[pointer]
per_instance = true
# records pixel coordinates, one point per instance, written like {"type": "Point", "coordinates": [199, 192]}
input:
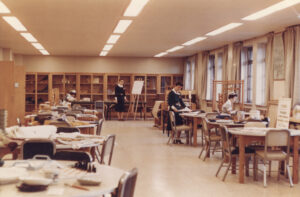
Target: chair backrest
{"type": "Point", "coordinates": [33, 147]}
{"type": "Point", "coordinates": [73, 156]}
{"type": "Point", "coordinates": [67, 130]}
{"type": "Point", "coordinates": [211, 115]}
{"type": "Point", "coordinates": [127, 184]}
{"type": "Point", "coordinates": [172, 120]}
{"type": "Point", "coordinates": [226, 146]}
{"type": "Point", "coordinates": [205, 127]}
{"type": "Point", "coordinates": [255, 124]}
{"type": "Point", "coordinates": [277, 138]}
{"type": "Point", "coordinates": [19, 122]}
{"type": "Point", "coordinates": [155, 108]}
{"type": "Point", "coordinates": [107, 149]}
{"type": "Point", "coordinates": [99, 105]}
{"type": "Point", "coordinates": [99, 127]}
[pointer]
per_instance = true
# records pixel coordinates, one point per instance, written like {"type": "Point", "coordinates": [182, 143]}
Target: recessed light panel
{"type": "Point", "coordinates": [15, 23]}
{"type": "Point", "coordinates": [135, 7]}
{"type": "Point", "coordinates": [224, 28]}
{"type": "Point", "coordinates": [122, 26]}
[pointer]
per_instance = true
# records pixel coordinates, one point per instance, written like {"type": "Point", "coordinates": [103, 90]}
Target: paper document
{"type": "Point", "coordinates": [186, 109]}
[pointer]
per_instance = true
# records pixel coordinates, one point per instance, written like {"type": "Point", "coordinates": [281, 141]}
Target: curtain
{"type": "Point", "coordinates": [296, 92]}
{"type": "Point", "coordinates": [236, 61]}
{"type": "Point", "coordinates": [260, 94]}
{"type": "Point", "coordinates": [203, 77]}
{"type": "Point", "coordinates": [225, 64]}
{"type": "Point", "coordinates": [289, 60]}
{"type": "Point", "coordinates": [269, 67]}
{"type": "Point", "coordinates": [186, 75]}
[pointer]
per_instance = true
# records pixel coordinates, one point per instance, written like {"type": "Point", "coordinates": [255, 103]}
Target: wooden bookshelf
{"type": "Point", "coordinates": [96, 86]}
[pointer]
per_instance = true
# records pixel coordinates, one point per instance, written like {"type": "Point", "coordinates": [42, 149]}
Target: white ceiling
{"type": "Point", "coordinates": [82, 27]}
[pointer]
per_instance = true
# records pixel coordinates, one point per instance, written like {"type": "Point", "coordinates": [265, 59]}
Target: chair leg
{"type": "Point", "coordinates": [289, 174]}
{"type": "Point", "coordinates": [221, 165]}
{"type": "Point", "coordinates": [270, 168]}
{"type": "Point", "coordinates": [215, 147]}
{"type": "Point", "coordinates": [254, 169]}
{"type": "Point", "coordinates": [279, 170]}
{"type": "Point", "coordinates": [171, 137]}
{"type": "Point", "coordinates": [247, 166]}
{"type": "Point", "coordinates": [226, 172]}
{"type": "Point", "coordinates": [265, 175]}
{"type": "Point", "coordinates": [207, 151]}
{"type": "Point", "coordinates": [203, 147]}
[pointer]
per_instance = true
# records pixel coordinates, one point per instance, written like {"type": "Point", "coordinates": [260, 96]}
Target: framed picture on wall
{"type": "Point", "coordinates": [278, 57]}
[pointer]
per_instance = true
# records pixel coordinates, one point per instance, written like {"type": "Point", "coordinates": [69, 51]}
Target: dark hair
{"type": "Point", "coordinates": [232, 95]}
{"type": "Point", "coordinates": [179, 84]}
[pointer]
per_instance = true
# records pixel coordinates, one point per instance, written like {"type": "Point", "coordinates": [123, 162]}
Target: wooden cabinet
{"type": "Point", "coordinates": [95, 86]}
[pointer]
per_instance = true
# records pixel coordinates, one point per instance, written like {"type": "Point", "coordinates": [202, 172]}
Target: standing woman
{"type": "Point", "coordinates": [121, 98]}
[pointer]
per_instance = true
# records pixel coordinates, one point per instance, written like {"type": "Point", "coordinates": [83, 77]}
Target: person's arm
{"type": "Point", "coordinates": [181, 102]}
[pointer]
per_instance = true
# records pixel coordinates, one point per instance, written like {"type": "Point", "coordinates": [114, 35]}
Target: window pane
{"type": "Point", "coordinates": [261, 75]}
{"type": "Point", "coordinates": [246, 73]}
{"type": "Point", "coordinates": [210, 76]}
{"type": "Point", "coordinates": [219, 74]}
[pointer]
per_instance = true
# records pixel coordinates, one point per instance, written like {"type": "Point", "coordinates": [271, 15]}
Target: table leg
{"type": "Point", "coordinates": [195, 125]}
{"type": "Point", "coordinates": [295, 159]}
{"type": "Point", "coordinates": [241, 158]}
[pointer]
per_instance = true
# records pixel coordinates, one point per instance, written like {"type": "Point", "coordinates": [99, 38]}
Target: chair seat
{"type": "Point", "coordinates": [183, 128]}
{"type": "Point", "coordinates": [272, 155]}
{"type": "Point", "coordinates": [215, 138]}
{"type": "Point", "coordinates": [236, 151]}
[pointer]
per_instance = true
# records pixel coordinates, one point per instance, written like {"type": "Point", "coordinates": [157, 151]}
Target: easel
{"type": "Point", "coordinates": [136, 92]}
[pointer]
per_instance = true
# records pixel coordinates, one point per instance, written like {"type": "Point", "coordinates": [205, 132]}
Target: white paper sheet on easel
{"type": "Point", "coordinates": [137, 87]}
{"type": "Point", "coordinates": [283, 114]}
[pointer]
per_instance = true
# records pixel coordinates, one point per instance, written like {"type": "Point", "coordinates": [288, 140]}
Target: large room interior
{"type": "Point", "coordinates": [149, 98]}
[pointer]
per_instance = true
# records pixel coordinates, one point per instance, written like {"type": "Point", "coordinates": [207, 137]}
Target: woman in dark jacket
{"type": "Point", "coordinates": [121, 97]}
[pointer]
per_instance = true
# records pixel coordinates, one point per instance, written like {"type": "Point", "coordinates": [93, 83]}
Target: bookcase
{"type": "Point", "coordinates": [94, 86]}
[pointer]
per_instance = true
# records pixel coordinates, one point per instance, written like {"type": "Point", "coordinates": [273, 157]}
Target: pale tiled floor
{"type": "Point", "coordinates": [176, 171]}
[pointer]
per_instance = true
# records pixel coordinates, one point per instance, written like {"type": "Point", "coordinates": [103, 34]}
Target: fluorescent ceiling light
{"type": "Point", "coordinates": [224, 28]}
{"type": "Point", "coordinates": [269, 10]}
{"type": "Point", "coordinates": [38, 46]}
{"type": "Point", "coordinates": [113, 39]}
{"type": "Point", "coordinates": [107, 47]}
{"type": "Point", "coordinates": [135, 7]}
{"type": "Point", "coordinates": [175, 48]}
{"type": "Point", "coordinates": [29, 37]}
{"type": "Point", "coordinates": [44, 52]}
{"type": "Point", "coordinates": [15, 23]}
{"type": "Point", "coordinates": [195, 40]}
{"type": "Point", "coordinates": [122, 26]}
{"type": "Point", "coordinates": [103, 53]}
{"type": "Point", "coordinates": [3, 8]}
{"type": "Point", "coordinates": [161, 54]}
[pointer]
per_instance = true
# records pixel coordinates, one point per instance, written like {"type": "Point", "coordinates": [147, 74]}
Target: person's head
{"type": "Point", "coordinates": [121, 82]}
{"type": "Point", "coordinates": [178, 86]}
{"type": "Point", "coordinates": [233, 97]}
{"type": "Point", "coordinates": [73, 92]}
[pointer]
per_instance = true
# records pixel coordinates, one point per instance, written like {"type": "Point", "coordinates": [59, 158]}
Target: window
{"type": "Point", "coordinates": [189, 74]}
{"type": "Point", "coordinates": [210, 76]}
{"type": "Point", "coordinates": [261, 75]}
{"type": "Point", "coordinates": [246, 72]}
{"type": "Point", "coordinates": [219, 75]}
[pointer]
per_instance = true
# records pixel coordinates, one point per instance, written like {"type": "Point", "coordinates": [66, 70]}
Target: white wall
{"type": "Point", "coordinates": [103, 64]}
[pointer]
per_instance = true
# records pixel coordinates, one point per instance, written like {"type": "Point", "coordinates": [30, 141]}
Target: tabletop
{"type": "Point", "coordinates": [109, 180]}
{"type": "Point", "coordinates": [255, 131]}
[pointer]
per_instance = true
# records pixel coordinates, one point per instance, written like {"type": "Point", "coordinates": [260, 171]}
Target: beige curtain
{"type": "Point", "coordinates": [296, 92]}
{"type": "Point", "coordinates": [289, 60]}
{"type": "Point", "coordinates": [236, 61]}
{"type": "Point", "coordinates": [225, 64]}
{"type": "Point", "coordinates": [203, 77]}
{"type": "Point", "coordinates": [269, 67]}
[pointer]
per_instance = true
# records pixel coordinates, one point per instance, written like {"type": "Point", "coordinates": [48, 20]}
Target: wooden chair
{"type": "Point", "coordinates": [230, 153]}
{"type": "Point", "coordinates": [100, 108]}
{"type": "Point", "coordinates": [277, 147]}
{"type": "Point", "coordinates": [105, 156]}
{"type": "Point", "coordinates": [176, 130]}
{"type": "Point", "coordinates": [126, 184]}
{"type": "Point", "coordinates": [210, 137]}
{"type": "Point", "coordinates": [99, 127]}
{"type": "Point", "coordinates": [32, 147]}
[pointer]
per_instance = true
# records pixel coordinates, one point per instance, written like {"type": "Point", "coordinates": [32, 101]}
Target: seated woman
{"type": "Point", "coordinates": [228, 106]}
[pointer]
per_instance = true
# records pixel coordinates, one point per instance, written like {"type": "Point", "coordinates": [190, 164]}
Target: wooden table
{"type": "Point", "coordinates": [87, 129]}
{"type": "Point", "coordinates": [196, 119]}
{"type": "Point", "coordinates": [109, 176]}
{"type": "Point", "coordinates": [248, 135]}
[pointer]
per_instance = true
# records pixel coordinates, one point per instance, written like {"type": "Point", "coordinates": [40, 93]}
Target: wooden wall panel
{"type": "Point", "coordinates": [19, 93]}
